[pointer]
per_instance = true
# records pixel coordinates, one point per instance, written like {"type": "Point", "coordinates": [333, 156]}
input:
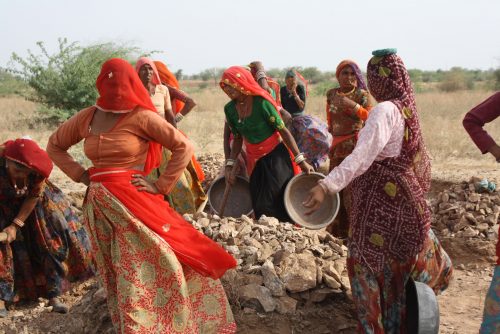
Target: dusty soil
{"type": "Point", "coordinates": [460, 305]}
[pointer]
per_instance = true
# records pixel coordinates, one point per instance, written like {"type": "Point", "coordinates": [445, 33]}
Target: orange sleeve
{"type": "Point", "coordinates": [363, 113]}
{"type": "Point", "coordinates": [68, 134]}
{"type": "Point", "coordinates": [159, 130]}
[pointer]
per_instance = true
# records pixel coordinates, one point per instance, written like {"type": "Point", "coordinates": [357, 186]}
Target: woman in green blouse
{"type": "Point", "coordinates": [253, 118]}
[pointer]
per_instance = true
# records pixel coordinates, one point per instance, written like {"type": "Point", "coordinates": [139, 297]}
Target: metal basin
{"type": "Point", "coordinates": [239, 201]}
{"type": "Point", "coordinates": [297, 191]}
{"type": "Point", "coordinates": [422, 309]}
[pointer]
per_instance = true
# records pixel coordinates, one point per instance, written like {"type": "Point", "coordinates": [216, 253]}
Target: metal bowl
{"type": "Point", "coordinates": [297, 191]}
{"type": "Point", "coordinates": [239, 201]}
{"type": "Point", "coordinates": [422, 309]}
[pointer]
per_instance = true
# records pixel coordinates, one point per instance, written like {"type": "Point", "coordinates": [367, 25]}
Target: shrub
{"type": "Point", "coordinates": [11, 85]}
{"type": "Point", "coordinates": [64, 82]}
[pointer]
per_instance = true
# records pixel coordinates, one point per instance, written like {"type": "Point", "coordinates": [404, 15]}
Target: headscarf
{"type": "Point", "coordinates": [168, 78]}
{"type": "Point", "coordinates": [355, 68]}
{"type": "Point", "coordinates": [27, 153]}
{"type": "Point", "coordinates": [143, 61]}
{"type": "Point", "coordinates": [389, 80]}
{"type": "Point", "coordinates": [120, 89]}
{"type": "Point", "coordinates": [242, 80]}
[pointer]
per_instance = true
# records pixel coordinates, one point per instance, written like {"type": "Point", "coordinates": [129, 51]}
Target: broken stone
{"type": "Point", "coordinates": [271, 279]}
{"type": "Point", "coordinates": [257, 297]}
{"type": "Point", "coordinates": [298, 272]}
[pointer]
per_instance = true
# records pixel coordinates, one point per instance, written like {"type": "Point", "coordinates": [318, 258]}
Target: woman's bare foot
{"type": "Point", "coordinates": [58, 306]}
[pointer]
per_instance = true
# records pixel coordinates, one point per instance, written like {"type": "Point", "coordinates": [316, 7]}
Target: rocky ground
{"type": "Point", "coordinates": [270, 295]}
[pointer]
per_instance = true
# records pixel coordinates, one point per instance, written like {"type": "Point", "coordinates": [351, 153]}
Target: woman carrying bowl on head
{"type": "Point", "coordinates": [253, 117]}
{"type": "Point", "coordinates": [347, 109]}
{"type": "Point", "coordinates": [161, 275]}
{"type": "Point", "coordinates": [46, 245]}
{"type": "Point", "coordinates": [388, 174]}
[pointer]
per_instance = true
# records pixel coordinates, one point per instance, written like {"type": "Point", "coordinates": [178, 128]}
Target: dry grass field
{"type": "Point", "coordinates": [441, 117]}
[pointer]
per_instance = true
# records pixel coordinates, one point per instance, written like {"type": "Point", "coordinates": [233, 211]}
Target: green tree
{"type": "Point", "coordinates": [64, 82]}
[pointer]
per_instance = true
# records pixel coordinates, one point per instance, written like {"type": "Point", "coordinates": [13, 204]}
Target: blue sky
{"type": "Point", "coordinates": [195, 34]}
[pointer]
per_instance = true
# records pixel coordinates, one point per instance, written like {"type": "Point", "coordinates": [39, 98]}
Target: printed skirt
{"type": "Point", "coordinates": [51, 250]}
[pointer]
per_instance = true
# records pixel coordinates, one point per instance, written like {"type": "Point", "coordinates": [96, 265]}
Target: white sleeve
{"type": "Point", "coordinates": [372, 139]}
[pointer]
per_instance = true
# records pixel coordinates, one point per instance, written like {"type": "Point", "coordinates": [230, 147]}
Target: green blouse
{"type": "Point", "coordinates": [260, 125]}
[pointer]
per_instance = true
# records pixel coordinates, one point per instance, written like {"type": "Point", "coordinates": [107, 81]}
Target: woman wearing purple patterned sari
{"type": "Point", "coordinates": [388, 174]}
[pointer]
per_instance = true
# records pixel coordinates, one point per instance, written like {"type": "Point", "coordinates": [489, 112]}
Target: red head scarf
{"type": "Point", "coordinates": [242, 80]}
{"type": "Point", "coordinates": [168, 78]}
{"type": "Point", "coordinates": [143, 61]}
{"type": "Point", "coordinates": [355, 68]}
{"type": "Point", "coordinates": [27, 153]}
{"type": "Point", "coordinates": [120, 89]}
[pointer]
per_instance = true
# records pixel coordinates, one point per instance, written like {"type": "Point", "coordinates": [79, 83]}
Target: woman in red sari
{"type": "Point", "coordinates": [253, 116]}
{"type": "Point", "coordinates": [161, 275]}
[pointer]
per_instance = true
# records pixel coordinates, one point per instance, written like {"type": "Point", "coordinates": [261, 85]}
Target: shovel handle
{"type": "Point", "coordinates": [227, 190]}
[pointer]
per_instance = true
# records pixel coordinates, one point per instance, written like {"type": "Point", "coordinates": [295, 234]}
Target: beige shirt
{"type": "Point", "coordinates": [161, 99]}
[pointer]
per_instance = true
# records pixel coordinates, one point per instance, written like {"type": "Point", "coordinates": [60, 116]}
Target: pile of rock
{"type": "Point", "coordinates": [211, 165]}
{"type": "Point", "coordinates": [280, 266]}
{"type": "Point", "coordinates": [461, 211]}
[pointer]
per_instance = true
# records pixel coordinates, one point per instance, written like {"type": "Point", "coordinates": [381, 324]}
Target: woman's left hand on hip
{"type": "Point", "coordinates": [142, 184]}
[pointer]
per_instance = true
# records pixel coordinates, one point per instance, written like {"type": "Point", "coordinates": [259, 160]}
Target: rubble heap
{"type": "Point", "coordinates": [280, 265]}
{"type": "Point", "coordinates": [462, 211]}
{"type": "Point", "coordinates": [212, 165]}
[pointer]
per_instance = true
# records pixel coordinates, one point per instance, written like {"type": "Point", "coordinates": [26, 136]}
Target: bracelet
{"type": "Point", "coordinates": [179, 117]}
{"type": "Point", "coordinates": [299, 158]}
{"type": "Point", "coordinates": [229, 162]}
{"type": "Point", "coordinates": [18, 222]}
{"type": "Point", "coordinates": [357, 107]}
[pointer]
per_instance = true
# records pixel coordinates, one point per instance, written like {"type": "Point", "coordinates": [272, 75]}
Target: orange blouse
{"type": "Point", "coordinates": [124, 146]}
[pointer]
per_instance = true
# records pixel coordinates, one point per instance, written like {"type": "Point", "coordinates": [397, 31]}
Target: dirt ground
{"type": "Point", "coordinates": [460, 305]}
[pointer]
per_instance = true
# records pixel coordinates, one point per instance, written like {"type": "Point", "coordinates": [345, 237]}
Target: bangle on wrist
{"type": "Point", "coordinates": [299, 158]}
{"type": "Point", "coordinates": [357, 107]}
{"type": "Point", "coordinates": [179, 117]}
{"type": "Point", "coordinates": [229, 162]}
{"type": "Point", "coordinates": [18, 222]}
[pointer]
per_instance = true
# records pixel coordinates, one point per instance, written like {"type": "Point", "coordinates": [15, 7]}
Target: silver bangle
{"type": "Point", "coordinates": [299, 158]}
{"type": "Point", "coordinates": [229, 163]}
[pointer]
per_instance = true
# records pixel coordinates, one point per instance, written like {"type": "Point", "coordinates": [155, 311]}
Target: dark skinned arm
{"type": "Point", "coordinates": [23, 214]}
{"type": "Point", "coordinates": [292, 146]}
{"type": "Point", "coordinates": [189, 104]}
{"type": "Point", "coordinates": [227, 146]}
{"type": "Point", "coordinates": [229, 173]}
